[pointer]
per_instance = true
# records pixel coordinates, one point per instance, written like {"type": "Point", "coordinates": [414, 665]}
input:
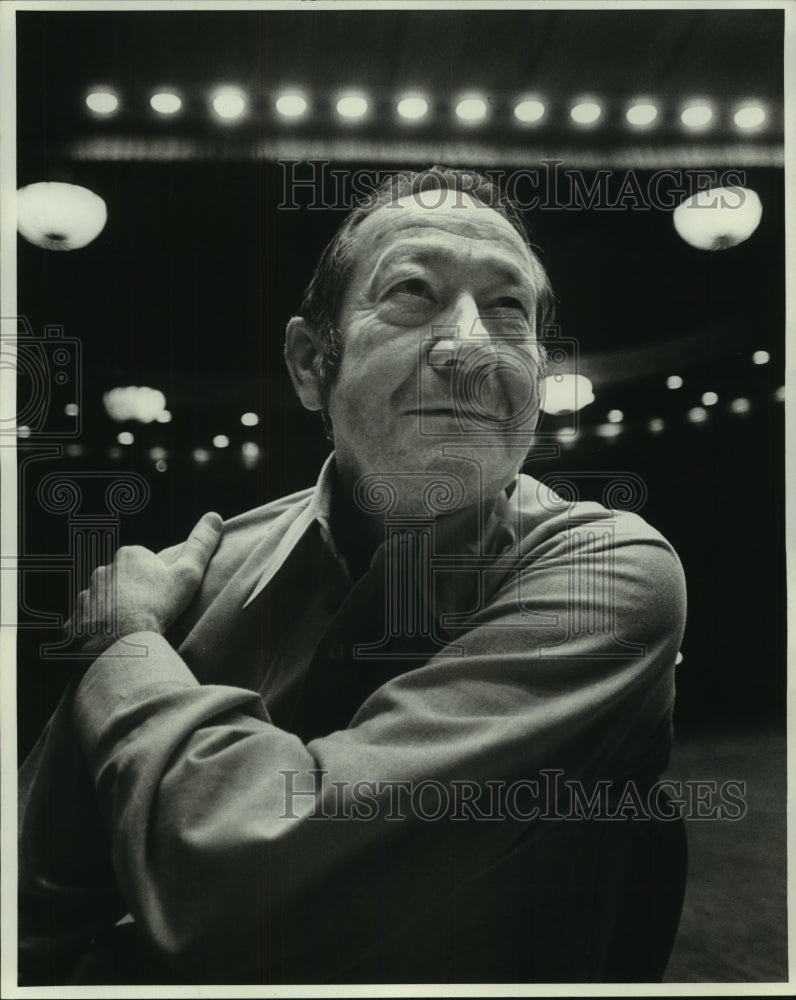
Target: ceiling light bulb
{"type": "Point", "coordinates": [412, 108]}
{"type": "Point", "coordinates": [165, 103]}
{"type": "Point", "coordinates": [529, 111]}
{"type": "Point", "coordinates": [641, 114]}
{"type": "Point", "coordinates": [585, 113]}
{"type": "Point", "coordinates": [471, 109]}
{"type": "Point", "coordinates": [102, 102]}
{"type": "Point", "coordinates": [291, 105]}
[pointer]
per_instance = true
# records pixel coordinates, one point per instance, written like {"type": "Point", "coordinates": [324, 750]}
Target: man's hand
{"type": "Point", "coordinates": [140, 592]}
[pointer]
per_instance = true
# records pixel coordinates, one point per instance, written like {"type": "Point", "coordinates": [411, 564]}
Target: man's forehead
{"type": "Point", "coordinates": [437, 213]}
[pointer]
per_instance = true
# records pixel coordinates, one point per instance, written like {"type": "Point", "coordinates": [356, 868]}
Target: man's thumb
{"type": "Point", "coordinates": [200, 545]}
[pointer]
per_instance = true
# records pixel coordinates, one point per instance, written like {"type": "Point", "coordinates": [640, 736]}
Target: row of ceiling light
{"type": "Point", "coordinates": [231, 104]}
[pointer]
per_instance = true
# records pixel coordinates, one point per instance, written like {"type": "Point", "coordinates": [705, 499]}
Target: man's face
{"type": "Point", "coordinates": [439, 362]}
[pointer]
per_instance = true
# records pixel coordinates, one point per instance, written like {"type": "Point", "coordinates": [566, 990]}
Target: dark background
{"type": "Point", "coordinates": [189, 286]}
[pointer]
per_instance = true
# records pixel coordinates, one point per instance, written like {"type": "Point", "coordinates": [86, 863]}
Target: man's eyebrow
{"type": "Point", "coordinates": [414, 253]}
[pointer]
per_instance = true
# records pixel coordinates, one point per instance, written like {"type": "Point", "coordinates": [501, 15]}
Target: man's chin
{"type": "Point", "coordinates": [439, 482]}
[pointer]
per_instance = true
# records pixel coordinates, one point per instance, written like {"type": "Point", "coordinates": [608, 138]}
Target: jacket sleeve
{"type": "Point", "coordinates": [238, 847]}
{"type": "Point", "coordinates": [66, 886]}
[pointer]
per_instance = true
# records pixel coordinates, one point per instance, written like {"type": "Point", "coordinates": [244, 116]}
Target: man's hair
{"type": "Point", "coordinates": [323, 297]}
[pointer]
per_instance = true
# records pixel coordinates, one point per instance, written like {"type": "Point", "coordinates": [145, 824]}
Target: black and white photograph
{"type": "Point", "coordinates": [394, 487]}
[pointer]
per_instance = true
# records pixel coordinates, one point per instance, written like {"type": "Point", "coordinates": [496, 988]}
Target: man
{"type": "Point", "coordinates": [327, 743]}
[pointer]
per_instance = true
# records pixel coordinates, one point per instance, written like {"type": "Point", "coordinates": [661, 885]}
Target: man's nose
{"type": "Point", "coordinates": [458, 334]}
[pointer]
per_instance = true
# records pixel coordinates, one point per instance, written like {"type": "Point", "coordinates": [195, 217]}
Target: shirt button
{"type": "Point", "coordinates": [336, 651]}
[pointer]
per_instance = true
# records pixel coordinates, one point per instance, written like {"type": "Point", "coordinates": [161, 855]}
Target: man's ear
{"type": "Point", "coordinates": [303, 359]}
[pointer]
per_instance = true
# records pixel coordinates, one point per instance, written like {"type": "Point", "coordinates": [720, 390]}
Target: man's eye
{"type": "Point", "coordinates": [412, 286]}
{"type": "Point", "coordinates": [508, 302]}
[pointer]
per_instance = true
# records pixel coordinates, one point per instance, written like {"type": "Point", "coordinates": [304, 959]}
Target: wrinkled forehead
{"type": "Point", "coordinates": [442, 216]}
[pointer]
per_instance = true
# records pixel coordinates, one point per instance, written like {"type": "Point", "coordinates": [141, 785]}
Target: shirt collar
{"type": "Point", "coordinates": [319, 509]}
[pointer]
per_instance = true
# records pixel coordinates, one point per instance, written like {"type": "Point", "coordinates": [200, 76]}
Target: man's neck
{"type": "Point", "coordinates": [358, 533]}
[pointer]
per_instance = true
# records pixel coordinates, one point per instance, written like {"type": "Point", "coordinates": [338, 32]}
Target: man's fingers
{"type": "Point", "coordinates": [200, 546]}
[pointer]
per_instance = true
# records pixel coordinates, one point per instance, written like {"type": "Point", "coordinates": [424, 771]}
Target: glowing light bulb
{"type": "Point", "coordinates": [718, 218]}
{"type": "Point", "coordinates": [412, 108]}
{"type": "Point", "coordinates": [102, 102]}
{"type": "Point", "coordinates": [529, 111]}
{"type": "Point", "coordinates": [291, 105]}
{"type": "Point", "coordinates": [229, 103]}
{"type": "Point", "coordinates": [58, 216]}
{"type": "Point", "coordinates": [585, 113]}
{"type": "Point", "coordinates": [566, 393]}
{"type": "Point", "coordinates": [352, 106]}
{"type": "Point", "coordinates": [471, 109]}
{"type": "Point", "coordinates": [696, 115]}
{"type": "Point", "coordinates": [641, 114]}
{"type": "Point", "coordinates": [165, 103]}
{"type": "Point", "coordinates": [750, 116]}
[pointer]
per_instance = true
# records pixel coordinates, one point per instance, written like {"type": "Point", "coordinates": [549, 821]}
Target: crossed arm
{"type": "Point", "coordinates": [224, 869]}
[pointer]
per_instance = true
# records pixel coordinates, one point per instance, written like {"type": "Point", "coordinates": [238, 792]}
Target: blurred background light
{"type": "Point", "coordinates": [697, 115]}
{"type": "Point", "coordinates": [585, 113]}
{"type": "Point", "coordinates": [291, 105]}
{"type": "Point", "coordinates": [249, 419]}
{"type": "Point", "coordinates": [718, 218]}
{"type": "Point", "coordinates": [740, 405]}
{"type": "Point", "coordinates": [761, 358]}
{"type": "Point", "coordinates": [678, 659]}
{"type": "Point", "coordinates": [58, 216]}
{"type": "Point", "coordinates": [134, 402]}
{"type": "Point", "coordinates": [674, 382]}
{"type": "Point", "coordinates": [157, 453]}
{"type": "Point", "coordinates": [165, 103]}
{"type": "Point", "coordinates": [749, 116]}
{"type": "Point", "coordinates": [229, 103]}
{"type": "Point", "coordinates": [656, 425]}
{"type": "Point", "coordinates": [201, 456]}
{"type": "Point", "coordinates": [250, 449]}
{"type": "Point", "coordinates": [615, 416]}
{"type": "Point", "coordinates": [71, 409]}
{"type": "Point", "coordinates": [566, 393]}
{"type": "Point", "coordinates": [352, 106]}
{"type": "Point", "coordinates": [412, 108]}
{"type": "Point", "coordinates": [221, 441]}
{"type": "Point", "coordinates": [161, 465]}
{"type": "Point", "coordinates": [102, 102]}
{"type": "Point", "coordinates": [529, 111]}
{"type": "Point", "coordinates": [641, 114]}
{"type": "Point", "coordinates": [779, 394]}
{"type": "Point", "coordinates": [471, 109]}
{"type": "Point", "coordinates": [23, 431]}
{"type": "Point", "coordinates": [164, 417]}
{"type": "Point", "coordinates": [709, 398]}
{"type": "Point", "coordinates": [608, 430]}
{"type": "Point", "coordinates": [125, 437]}
{"type": "Point", "coordinates": [697, 415]}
